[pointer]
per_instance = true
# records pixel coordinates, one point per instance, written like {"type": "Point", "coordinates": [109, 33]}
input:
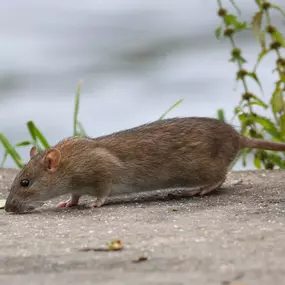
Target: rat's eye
{"type": "Point", "coordinates": [25, 182]}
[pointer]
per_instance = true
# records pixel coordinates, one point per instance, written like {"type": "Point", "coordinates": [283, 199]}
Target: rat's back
{"type": "Point", "coordinates": [174, 152]}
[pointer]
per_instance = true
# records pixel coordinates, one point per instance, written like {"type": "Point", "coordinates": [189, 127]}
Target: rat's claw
{"type": "Point", "coordinates": [62, 204]}
{"type": "Point", "coordinates": [66, 204]}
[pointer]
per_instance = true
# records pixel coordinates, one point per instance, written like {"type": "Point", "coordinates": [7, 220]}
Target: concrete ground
{"type": "Point", "coordinates": [233, 236]}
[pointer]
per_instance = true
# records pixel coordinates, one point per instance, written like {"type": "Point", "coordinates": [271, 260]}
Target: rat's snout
{"type": "Point", "coordinates": [12, 206]}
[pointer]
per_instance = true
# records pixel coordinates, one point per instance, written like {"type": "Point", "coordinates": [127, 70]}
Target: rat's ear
{"type": "Point", "coordinates": [52, 159]}
{"type": "Point", "coordinates": [33, 151]}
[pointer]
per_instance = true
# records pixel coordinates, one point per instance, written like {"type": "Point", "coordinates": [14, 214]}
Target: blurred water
{"type": "Point", "coordinates": [136, 59]}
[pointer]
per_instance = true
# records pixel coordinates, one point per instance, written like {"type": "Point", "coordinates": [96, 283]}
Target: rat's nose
{"type": "Point", "coordinates": [11, 207]}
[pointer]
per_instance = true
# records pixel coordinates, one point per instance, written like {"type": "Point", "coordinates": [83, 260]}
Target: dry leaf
{"type": "Point", "coordinates": [115, 244]}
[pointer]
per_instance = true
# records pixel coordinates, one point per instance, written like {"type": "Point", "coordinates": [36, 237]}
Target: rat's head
{"type": "Point", "coordinates": [36, 182]}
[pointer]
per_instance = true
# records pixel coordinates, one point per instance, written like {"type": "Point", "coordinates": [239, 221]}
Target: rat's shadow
{"type": "Point", "coordinates": [147, 198]}
{"type": "Point", "coordinates": [174, 195]}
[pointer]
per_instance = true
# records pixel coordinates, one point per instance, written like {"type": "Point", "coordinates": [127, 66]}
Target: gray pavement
{"type": "Point", "coordinates": [233, 236]}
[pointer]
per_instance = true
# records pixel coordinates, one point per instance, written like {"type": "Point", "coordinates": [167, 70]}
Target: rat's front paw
{"type": "Point", "coordinates": [66, 204]}
{"type": "Point", "coordinates": [73, 201]}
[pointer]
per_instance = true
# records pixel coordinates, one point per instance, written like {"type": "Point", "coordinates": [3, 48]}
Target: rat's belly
{"type": "Point", "coordinates": [145, 186]}
{"type": "Point", "coordinates": [85, 190]}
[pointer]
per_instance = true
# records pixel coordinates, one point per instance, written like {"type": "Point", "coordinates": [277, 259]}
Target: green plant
{"type": "Point", "coordinates": [78, 129]}
{"type": "Point", "coordinates": [270, 40]}
{"type": "Point", "coordinates": [39, 140]}
{"type": "Point", "coordinates": [170, 109]}
{"type": "Point", "coordinates": [221, 115]}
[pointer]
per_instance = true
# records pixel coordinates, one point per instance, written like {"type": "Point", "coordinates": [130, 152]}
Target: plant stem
{"type": "Point", "coordinates": [239, 64]}
{"type": "Point", "coordinates": [269, 23]}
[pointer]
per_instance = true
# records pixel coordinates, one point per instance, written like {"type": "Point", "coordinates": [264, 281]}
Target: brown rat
{"type": "Point", "coordinates": [180, 152]}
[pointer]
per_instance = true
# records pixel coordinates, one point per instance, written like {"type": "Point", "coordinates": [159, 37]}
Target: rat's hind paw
{"type": "Point", "coordinates": [98, 203]}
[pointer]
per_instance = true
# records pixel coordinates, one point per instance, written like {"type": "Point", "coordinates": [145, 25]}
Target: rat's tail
{"type": "Point", "coordinates": [261, 144]}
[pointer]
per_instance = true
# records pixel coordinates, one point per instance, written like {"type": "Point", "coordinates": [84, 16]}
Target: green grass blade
{"type": "Point", "coordinates": [24, 143]}
{"type": "Point", "coordinates": [4, 159]}
{"type": "Point", "coordinates": [221, 115]}
{"type": "Point", "coordinates": [11, 151]}
{"type": "Point", "coordinates": [171, 108]}
{"type": "Point", "coordinates": [81, 131]}
{"type": "Point", "coordinates": [76, 108]}
{"type": "Point", "coordinates": [37, 135]}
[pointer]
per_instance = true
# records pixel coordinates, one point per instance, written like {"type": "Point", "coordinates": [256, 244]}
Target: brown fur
{"type": "Point", "coordinates": [179, 152]}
